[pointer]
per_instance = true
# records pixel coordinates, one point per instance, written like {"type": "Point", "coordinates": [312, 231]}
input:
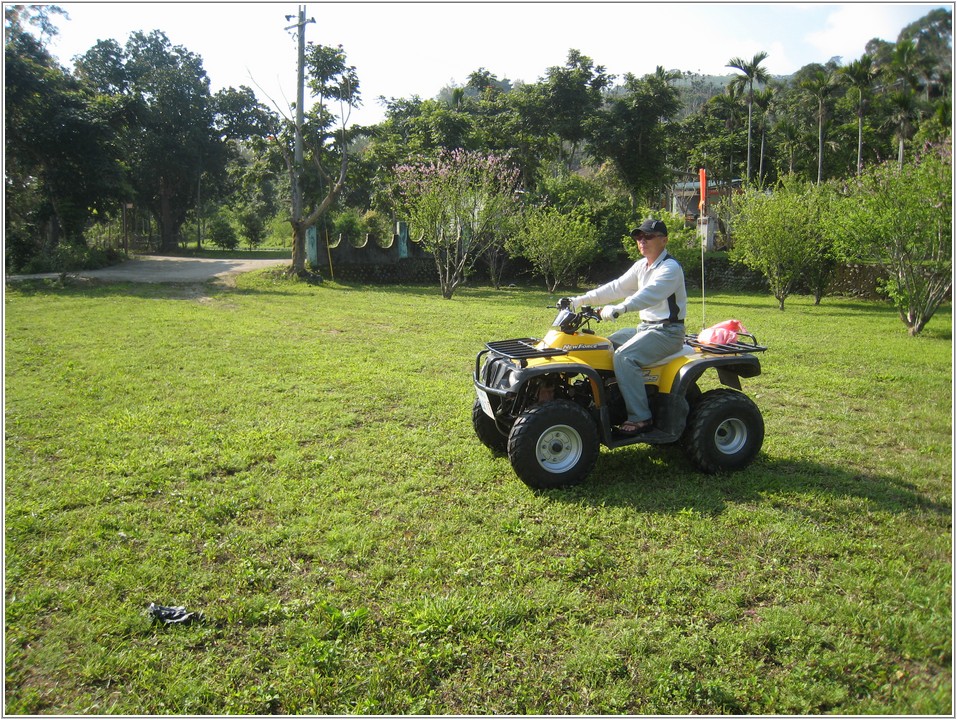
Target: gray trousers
{"type": "Point", "coordinates": [634, 348]}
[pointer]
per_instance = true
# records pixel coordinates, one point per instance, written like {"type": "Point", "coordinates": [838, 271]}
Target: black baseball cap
{"type": "Point", "coordinates": [651, 227]}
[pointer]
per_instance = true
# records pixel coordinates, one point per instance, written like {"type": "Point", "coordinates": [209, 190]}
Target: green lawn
{"type": "Point", "coordinates": [297, 462]}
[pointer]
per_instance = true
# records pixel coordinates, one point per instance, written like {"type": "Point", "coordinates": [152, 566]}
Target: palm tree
{"type": "Point", "coordinates": [765, 102]}
{"type": "Point", "coordinates": [904, 104]}
{"type": "Point", "coordinates": [860, 74]}
{"type": "Point", "coordinates": [789, 139]}
{"type": "Point", "coordinates": [906, 64]}
{"type": "Point", "coordinates": [819, 85]}
{"type": "Point", "coordinates": [753, 72]}
{"type": "Point", "coordinates": [726, 107]}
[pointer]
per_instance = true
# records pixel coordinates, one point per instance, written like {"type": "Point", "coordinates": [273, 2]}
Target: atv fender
{"type": "Point", "coordinates": [730, 369]}
{"type": "Point", "coordinates": [671, 409]}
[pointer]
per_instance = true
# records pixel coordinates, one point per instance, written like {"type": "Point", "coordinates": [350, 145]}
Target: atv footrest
{"type": "Point", "coordinates": [652, 437]}
{"type": "Point", "coordinates": [522, 349]}
{"type": "Point", "coordinates": [725, 348]}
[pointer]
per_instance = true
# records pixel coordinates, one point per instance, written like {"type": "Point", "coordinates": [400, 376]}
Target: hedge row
{"type": "Point", "coordinates": [720, 275]}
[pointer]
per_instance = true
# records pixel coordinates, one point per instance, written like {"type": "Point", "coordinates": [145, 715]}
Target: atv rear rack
{"type": "Point", "coordinates": [734, 348]}
{"type": "Point", "coordinates": [522, 349]}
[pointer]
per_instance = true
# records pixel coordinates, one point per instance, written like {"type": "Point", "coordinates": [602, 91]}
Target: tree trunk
{"type": "Point", "coordinates": [168, 227]}
{"type": "Point", "coordinates": [298, 248]}
{"type": "Point", "coordinates": [820, 144]}
{"type": "Point", "coordinates": [750, 105]}
{"type": "Point", "coordinates": [860, 140]}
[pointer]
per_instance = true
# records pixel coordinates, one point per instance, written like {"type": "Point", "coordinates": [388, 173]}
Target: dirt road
{"type": "Point", "coordinates": [163, 269]}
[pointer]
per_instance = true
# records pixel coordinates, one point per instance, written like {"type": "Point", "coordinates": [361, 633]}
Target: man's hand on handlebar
{"type": "Point", "coordinates": [610, 312]}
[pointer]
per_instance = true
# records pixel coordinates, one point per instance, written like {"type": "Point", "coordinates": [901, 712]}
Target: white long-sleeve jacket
{"type": "Point", "coordinates": [658, 292]}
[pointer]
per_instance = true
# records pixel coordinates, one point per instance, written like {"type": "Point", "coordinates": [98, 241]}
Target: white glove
{"type": "Point", "coordinates": [577, 302]}
{"type": "Point", "coordinates": [610, 312]}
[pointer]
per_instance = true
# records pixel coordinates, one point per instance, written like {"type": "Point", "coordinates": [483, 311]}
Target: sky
{"type": "Point", "coordinates": [401, 49]}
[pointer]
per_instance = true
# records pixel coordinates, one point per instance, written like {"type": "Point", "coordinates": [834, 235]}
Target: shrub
{"type": "Point", "coordinates": [780, 233]}
{"type": "Point", "coordinates": [378, 225]}
{"type": "Point", "coordinates": [556, 244]}
{"type": "Point", "coordinates": [252, 225]}
{"type": "Point", "coordinates": [901, 218]}
{"type": "Point", "coordinates": [349, 223]}
{"type": "Point", "coordinates": [221, 233]}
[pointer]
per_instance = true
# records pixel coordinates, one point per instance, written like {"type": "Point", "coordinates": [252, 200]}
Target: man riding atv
{"type": "Point", "coordinates": [655, 287]}
{"type": "Point", "coordinates": [550, 403]}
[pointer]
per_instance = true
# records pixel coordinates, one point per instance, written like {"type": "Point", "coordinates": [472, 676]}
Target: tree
{"type": "Point", "coordinates": [457, 207]}
{"type": "Point", "coordinates": [556, 244]}
{"type": "Point", "coordinates": [596, 197]}
{"type": "Point", "coordinates": [778, 233]}
{"type": "Point", "coordinates": [752, 73]}
{"type": "Point", "coordinates": [789, 139]}
{"type": "Point", "coordinates": [573, 94]}
{"type": "Point", "coordinates": [727, 108]}
{"type": "Point", "coordinates": [764, 99]}
{"type": "Point", "coordinates": [522, 132]}
{"type": "Point", "coordinates": [249, 189]}
{"type": "Point", "coordinates": [62, 170]}
{"type": "Point", "coordinates": [632, 131]}
{"type": "Point", "coordinates": [221, 233]}
{"type": "Point", "coordinates": [325, 142]}
{"type": "Point", "coordinates": [252, 224]}
{"type": "Point", "coordinates": [932, 36]}
{"type": "Point", "coordinates": [904, 109]}
{"type": "Point", "coordinates": [860, 75]}
{"type": "Point", "coordinates": [901, 219]}
{"type": "Point", "coordinates": [483, 82]}
{"type": "Point", "coordinates": [170, 141]}
{"type": "Point", "coordinates": [819, 84]}
{"type": "Point", "coordinates": [238, 115]}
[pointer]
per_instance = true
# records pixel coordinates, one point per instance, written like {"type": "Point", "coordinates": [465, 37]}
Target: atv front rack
{"type": "Point", "coordinates": [725, 348]}
{"type": "Point", "coordinates": [522, 349]}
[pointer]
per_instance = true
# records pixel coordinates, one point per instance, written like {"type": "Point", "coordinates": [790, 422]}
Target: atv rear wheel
{"type": "Point", "coordinates": [487, 430]}
{"type": "Point", "coordinates": [553, 445]}
{"type": "Point", "coordinates": [725, 431]}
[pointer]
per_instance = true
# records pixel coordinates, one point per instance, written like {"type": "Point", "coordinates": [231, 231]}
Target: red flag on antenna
{"type": "Point", "coordinates": [703, 177]}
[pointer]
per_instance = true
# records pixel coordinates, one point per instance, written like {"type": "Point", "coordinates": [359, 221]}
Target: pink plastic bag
{"type": "Point", "coordinates": [722, 333]}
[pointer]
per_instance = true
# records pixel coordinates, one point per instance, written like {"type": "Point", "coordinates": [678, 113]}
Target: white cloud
{"type": "Point", "coordinates": [848, 29]}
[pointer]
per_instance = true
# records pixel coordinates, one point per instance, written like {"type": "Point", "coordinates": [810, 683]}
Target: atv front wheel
{"type": "Point", "coordinates": [487, 429]}
{"type": "Point", "coordinates": [725, 431]}
{"type": "Point", "coordinates": [553, 445]}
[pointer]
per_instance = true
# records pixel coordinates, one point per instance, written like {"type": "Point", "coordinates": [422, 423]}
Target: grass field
{"type": "Point", "coordinates": [297, 463]}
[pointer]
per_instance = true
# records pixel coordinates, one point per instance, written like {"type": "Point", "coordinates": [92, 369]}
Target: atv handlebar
{"type": "Point", "coordinates": [565, 303]}
{"type": "Point", "coordinates": [568, 320]}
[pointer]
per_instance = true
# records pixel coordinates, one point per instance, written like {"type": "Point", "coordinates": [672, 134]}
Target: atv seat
{"type": "Point", "coordinates": [685, 350]}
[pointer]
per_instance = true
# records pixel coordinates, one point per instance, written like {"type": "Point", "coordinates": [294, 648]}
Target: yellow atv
{"type": "Point", "coordinates": [551, 403]}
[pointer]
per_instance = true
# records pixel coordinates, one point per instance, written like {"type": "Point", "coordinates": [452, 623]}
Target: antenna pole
{"type": "Point", "coordinates": [703, 325]}
{"type": "Point", "coordinates": [703, 213]}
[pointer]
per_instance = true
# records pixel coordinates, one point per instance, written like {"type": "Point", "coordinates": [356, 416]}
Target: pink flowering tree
{"type": "Point", "coordinates": [458, 206]}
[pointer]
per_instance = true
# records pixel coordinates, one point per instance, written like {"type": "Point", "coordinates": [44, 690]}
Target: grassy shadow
{"type": "Point", "coordinates": [666, 484]}
{"type": "Point", "coordinates": [92, 288]}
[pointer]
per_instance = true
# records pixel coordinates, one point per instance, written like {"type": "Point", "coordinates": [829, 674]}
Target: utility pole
{"type": "Point", "coordinates": [300, 101]}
